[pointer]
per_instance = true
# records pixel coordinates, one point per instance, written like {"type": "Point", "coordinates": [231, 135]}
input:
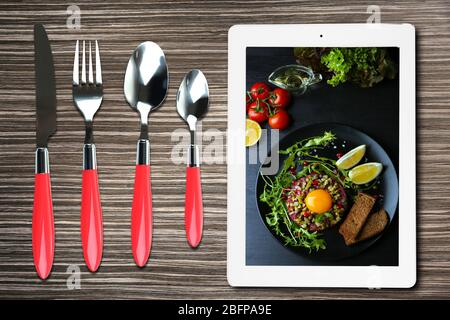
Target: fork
{"type": "Point", "coordinates": [88, 96]}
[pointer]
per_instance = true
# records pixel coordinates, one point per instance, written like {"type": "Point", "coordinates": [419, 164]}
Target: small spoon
{"type": "Point", "coordinates": [145, 88]}
{"type": "Point", "coordinates": [192, 105]}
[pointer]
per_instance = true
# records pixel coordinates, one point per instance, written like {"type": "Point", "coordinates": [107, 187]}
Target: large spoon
{"type": "Point", "coordinates": [145, 88]}
{"type": "Point", "coordinates": [192, 105]}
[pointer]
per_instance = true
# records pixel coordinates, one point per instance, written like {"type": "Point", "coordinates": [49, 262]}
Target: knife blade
{"type": "Point", "coordinates": [42, 231]}
{"type": "Point", "coordinates": [45, 87]}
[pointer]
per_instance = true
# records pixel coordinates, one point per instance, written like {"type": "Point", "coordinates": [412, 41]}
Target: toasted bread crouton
{"type": "Point", "coordinates": [356, 218]}
{"type": "Point", "coordinates": [375, 224]}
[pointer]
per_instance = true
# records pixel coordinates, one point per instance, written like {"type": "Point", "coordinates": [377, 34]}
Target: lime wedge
{"type": "Point", "coordinates": [365, 173]}
{"type": "Point", "coordinates": [351, 158]}
{"type": "Point", "coordinates": [252, 132]}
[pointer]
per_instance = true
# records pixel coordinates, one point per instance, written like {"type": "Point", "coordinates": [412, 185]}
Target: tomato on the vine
{"type": "Point", "coordinates": [260, 90]}
{"type": "Point", "coordinates": [258, 111]}
{"type": "Point", "coordinates": [280, 120]}
{"type": "Point", "coordinates": [279, 98]}
{"type": "Point", "coordinates": [248, 101]}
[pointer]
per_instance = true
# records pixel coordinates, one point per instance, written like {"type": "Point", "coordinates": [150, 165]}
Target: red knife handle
{"type": "Point", "coordinates": [42, 233]}
{"type": "Point", "coordinates": [193, 214]}
{"type": "Point", "coordinates": [91, 211]}
{"type": "Point", "coordinates": [141, 215]}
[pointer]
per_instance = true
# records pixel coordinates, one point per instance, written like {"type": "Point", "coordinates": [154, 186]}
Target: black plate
{"type": "Point", "coordinates": [347, 139]}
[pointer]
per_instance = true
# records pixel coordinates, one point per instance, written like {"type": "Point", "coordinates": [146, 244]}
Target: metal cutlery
{"type": "Point", "coordinates": [88, 96]}
{"type": "Point", "coordinates": [145, 88]}
{"type": "Point", "coordinates": [192, 105]}
{"type": "Point", "coordinates": [43, 234]}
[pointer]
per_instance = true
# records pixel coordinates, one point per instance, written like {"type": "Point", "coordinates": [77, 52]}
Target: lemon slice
{"type": "Point", "coordinates": [252, 132]}
{"type": "Point", "coordinates": [351, 158]}
{"type": "Point", "coordinates": [365, 173]}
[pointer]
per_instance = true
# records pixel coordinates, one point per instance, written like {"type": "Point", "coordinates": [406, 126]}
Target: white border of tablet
{"type": "Point", "coordinates": [321, 35]}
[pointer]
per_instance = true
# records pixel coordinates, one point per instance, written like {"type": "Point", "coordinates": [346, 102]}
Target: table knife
{"type": "Point", "coordinates": [43, 234]}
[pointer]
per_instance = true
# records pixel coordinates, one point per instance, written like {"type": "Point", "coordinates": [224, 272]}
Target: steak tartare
{"type": "Point", "coordinates": [315, 190]}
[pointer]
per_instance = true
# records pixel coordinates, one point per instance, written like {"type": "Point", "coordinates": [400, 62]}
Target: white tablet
{"type": "Point", "coordinates": [321, 156]}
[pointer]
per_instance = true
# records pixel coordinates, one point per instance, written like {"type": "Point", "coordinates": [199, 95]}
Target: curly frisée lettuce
{"type": "Point", "coordinates": [363, 66]}
{"type": "Point", "coordinates": [278, 218]}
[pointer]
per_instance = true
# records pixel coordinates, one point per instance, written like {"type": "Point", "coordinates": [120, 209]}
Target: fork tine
{"type": "Point", "coordinates": [83, 65]}
{"type": "Point", "coordinates": [76, 66]}
{"type": "Point", "coordinates": [91, 73]}
{"type": "Point", "coordinates": [98, 67]}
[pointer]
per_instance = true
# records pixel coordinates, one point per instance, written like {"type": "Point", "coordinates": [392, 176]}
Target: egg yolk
{"type": "Point", "coordinates": [318, 201]}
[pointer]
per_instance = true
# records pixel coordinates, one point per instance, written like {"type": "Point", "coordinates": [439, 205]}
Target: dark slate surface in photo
{"type": "Point", "coordinates": [373, 111]}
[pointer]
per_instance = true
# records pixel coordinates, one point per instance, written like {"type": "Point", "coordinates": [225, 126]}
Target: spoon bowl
{"type": "Point", "coordinates": [146, 79]}
{"type": "Point", "coordinates": [193, 98]}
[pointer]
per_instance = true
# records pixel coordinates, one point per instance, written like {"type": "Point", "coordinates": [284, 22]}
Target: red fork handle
{"type": "Point", "coordinates": [141, 215]}
{"type": "Point", "coordinates": [193, 214]}
{"type": "Point", "coordinates": [91, 220]}
{"type": "Point", "coordinates": [43, 233]}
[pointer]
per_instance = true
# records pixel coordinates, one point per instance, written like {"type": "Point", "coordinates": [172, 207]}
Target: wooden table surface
{"type": "Point", "coordinates": [193, 35]}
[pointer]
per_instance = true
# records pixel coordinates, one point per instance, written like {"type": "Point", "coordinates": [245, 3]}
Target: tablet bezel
{"type": "Point", "coordinates": [321, 35]}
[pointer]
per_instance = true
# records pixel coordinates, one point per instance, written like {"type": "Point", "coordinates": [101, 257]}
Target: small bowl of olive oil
{"type": "Point", "coordinates": [294, 78]}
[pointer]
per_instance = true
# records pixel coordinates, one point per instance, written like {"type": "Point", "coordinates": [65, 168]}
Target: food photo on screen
{"type": "Point", "coordinates": [329, 119]}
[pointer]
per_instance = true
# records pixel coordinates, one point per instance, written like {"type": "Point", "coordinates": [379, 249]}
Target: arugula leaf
{"type": "Point", "coordinates": [278, 219]}
{"type": "Point", "coordinates": [323, 140]}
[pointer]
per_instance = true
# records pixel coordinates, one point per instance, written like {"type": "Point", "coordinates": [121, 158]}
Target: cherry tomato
{"type": "Point", "coordinates": [258, 111]}
{"type": "Point", "coordinates": [279, 98]}
{"type": "Point", "coordinates": [280, 120]}
{"type": "Point", "coordinates": [260, 90]}
{"type": "Point", "coordinates": [248, 101]}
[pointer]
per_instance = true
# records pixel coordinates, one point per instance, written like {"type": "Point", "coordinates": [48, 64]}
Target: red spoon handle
{"type": "Point", "coordinates": [141, 215]}
{"type": "Point", "coordinates": [43, 233]}
{"type": "Point", "coordinates": [193, 214]}
{"type": "Point", "coordinates": [91, 220]}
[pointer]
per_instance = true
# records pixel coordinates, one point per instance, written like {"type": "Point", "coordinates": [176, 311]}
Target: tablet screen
{"type": "Point", "coordinates": [322, 153]}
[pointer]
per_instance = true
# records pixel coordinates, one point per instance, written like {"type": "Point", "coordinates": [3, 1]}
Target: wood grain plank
{"type": "Point", "coordinates": [193, 35]}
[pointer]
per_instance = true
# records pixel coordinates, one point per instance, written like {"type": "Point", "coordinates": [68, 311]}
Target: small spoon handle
{"type": "Point", "coordinates": [141, 211]}
{"type": "Point", "coordinates": [193, 214]}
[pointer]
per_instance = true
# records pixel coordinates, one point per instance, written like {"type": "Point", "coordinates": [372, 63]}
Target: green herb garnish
{"type": "Point", "coordinates": [278, 219]}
